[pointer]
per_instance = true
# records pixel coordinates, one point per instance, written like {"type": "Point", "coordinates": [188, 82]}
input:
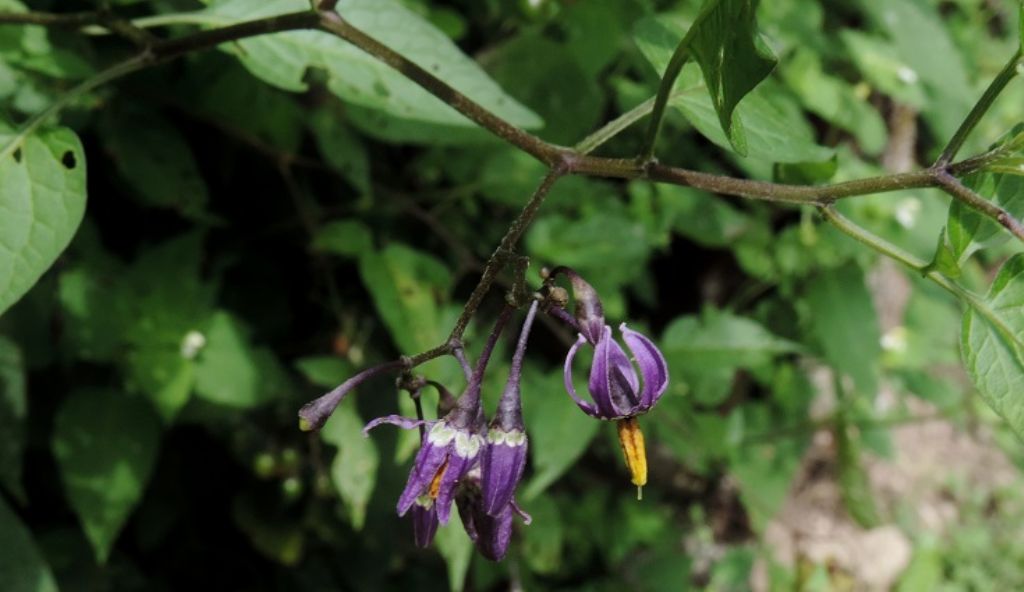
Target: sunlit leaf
{"type": "Point", "coordinates": [992, 344]}
{"type": "Point", "coordinates": [42, 200]}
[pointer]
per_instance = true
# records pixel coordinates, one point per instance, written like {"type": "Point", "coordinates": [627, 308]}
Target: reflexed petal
{"type": "Point", "coordinates": [468, 502]}
{"type": "Point", "coordinates": [501, 466]}
{"type": "Point", "coordinates": [527, 519]}
{"type": "Point", "coordinates": [613, 383]}
{"type": "Point", "coordinates": [406, 423]}
{"type": "Point", "coordinates": [424, 523]}
{"type": "Point", "coordinates": [585, 406]}
{"type": "Point", "coordinates": [429, 459]}
{"type": "Point", "coordinates": [652, 364]}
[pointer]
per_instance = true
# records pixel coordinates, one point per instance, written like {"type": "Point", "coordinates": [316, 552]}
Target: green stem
{"type": "Point", "coordinates": [668, 81]}
{"type": "Point", "coordinates": [980, 108]}
{"type": "Point", "coordinates": [116, 71]}
{"type": "Point", "coordinates": [614, 127]}
{"type": "Point", "coordinates": [879, 244]}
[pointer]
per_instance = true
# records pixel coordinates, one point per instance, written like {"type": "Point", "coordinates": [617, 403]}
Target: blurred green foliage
{"type": "Point", "coordinates": [266, 219]}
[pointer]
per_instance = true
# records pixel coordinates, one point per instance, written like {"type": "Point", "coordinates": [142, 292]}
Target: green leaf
{"type": "Point", "coordinates": [454, 545]}
{"type": "Point", "coordinates": [325, 371]}
{"type": "Point", "coordinates": [559, 431]}
{"type": "Point", "coordinates": [992, 344]}
{"type": "Point", "coordinates": [968, 230]}
{"type": "Point", "coordinates": [775, 129]}
{"type": "Point", "coordinates": [843, 322]}
{"type": "Point", "coordinates": [725, 43]}
{"type": "Point", "coordinates": [230, 371]}
{"type": "Point", "coordinates": [358, 78]}
{"type": "Point", "coordinates": [408, 288]}
{"type": "Point", "coordinates": [601, 242]}
{"type": "Point", "coordinates": [42, 200]}
{"type": "Point", "coordinates": [348, 238]}
{"type": "Point", "coordinates": [544, 538]}
{"type": "Point", "coordinates": [835, 100]}
{"type": "Point", "coordinates": [342, 149]}
{"type": "Point", "coordinates": [154, 159]}
{"type": "Point", "coordinates": [881, 65]}
{"type": "Point", "coordinates": [354, 468]}
{"type": "Point", "coordinates": [106, 445]}
{"type": "Point", "coordinates": [733, 58]}
{"type": "Point", "coordinates": [853, 479]}
{"type": "Point", "coordinates": [13, 409]}
{"type": "Point", "coordinates": [706, 351]}
{"type": "Point", "coordinates": [22, 566]}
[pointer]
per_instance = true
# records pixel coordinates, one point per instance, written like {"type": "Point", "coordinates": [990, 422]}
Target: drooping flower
{"type": "Point", "coordinates": [490, 532]}
{"type": "Point", "coordinates": [504, 455]}
{"type": "Point", "coordinates": [617, 392]}
{"type": "Point", "coordinates": [451, 445]}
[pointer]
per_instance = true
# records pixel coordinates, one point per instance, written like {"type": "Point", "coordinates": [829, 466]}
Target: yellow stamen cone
{"type": "Point", "coordinates": [632, 441]}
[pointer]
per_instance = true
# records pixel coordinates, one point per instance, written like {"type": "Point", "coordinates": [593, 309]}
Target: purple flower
{"type": "Point", "coordinates": [617, 392]}
{"type": "Point", "coordinates": [424, 521]}
{"type": "Point", "coordinates": [449, 449]}
{"type": "Point", "coordinates": [451, 445]}
{"type": "Point", "coordinates": [614, 387]}
{"type": "Point", "coordinates": [504, 456]}
{"type": "Point", "coordinates": [490, 532]}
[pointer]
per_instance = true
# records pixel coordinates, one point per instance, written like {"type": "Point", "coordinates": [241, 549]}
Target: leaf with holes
{"type": "Point", "coordinates": [992, 344]}
{"type": "Point", "coordinates": [42, 200]}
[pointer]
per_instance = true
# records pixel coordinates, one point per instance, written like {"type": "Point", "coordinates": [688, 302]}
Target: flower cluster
{"type": "Point", "coordinates": [476, 463]}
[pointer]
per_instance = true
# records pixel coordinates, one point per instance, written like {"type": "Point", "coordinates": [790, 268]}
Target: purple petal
{"type": "Point", "coordinates": [585, 406]}
{"type": "Point", "coordinates": [613, 383]}
{"type": "Point", "coordinates": [406, 423]}
{"type": "Point", "coordinates": [428, 461]}
{"type": "Point", "coordinates": [459, 463]}
{"type": "Point", "coordinates": [652, 364]}
{"type": "Point", "coordinates": [501, 467]}
{"type": "Point", "coordinates": [494, 533]}
{"type": "Point", "coordinates": [424, 523]}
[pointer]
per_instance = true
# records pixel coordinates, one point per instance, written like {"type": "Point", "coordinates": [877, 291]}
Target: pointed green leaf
{"type": "Point", "coordinates": [360, 79]}
{"type": "Point", "coordinates": [706, 352]}
{"type": "Point", "coordinates": [354, 469]}
{"type": "Point", "coordinates": [230, 371]}
{"type": "Point", "coordinates": [968, 230]}
{"type": "Point", "coordinates": [22, 566]}
{"type": "Point", "coordinates": [725, 42]}
{"type": "Point", "coordinates": [844, 323]}
{"type": "Point", "coordinates": [408, 288]}
{"type": "Point", "coordinates": [733, 58]}
{"type": "Point", "coordinates": [774, 127]}
{"type": "Point", "coordinates": [106, 445]}
{"type": "Point", "coordinates": [42, 200]}
{"type": "Point", "coordinates": [992, 344]}
{"type": "Point", "coordinates": [13, 409]}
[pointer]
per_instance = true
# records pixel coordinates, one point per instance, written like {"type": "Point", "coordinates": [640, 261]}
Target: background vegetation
{"type": "Point", "coordinates": [265, 219]}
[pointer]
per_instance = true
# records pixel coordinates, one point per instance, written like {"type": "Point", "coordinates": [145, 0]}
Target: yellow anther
{"type": "Point", "coordinates": [632, 441]}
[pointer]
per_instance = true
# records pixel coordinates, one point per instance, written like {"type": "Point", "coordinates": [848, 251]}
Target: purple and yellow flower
{"type": "Point", "coordinates": [617, 391]}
